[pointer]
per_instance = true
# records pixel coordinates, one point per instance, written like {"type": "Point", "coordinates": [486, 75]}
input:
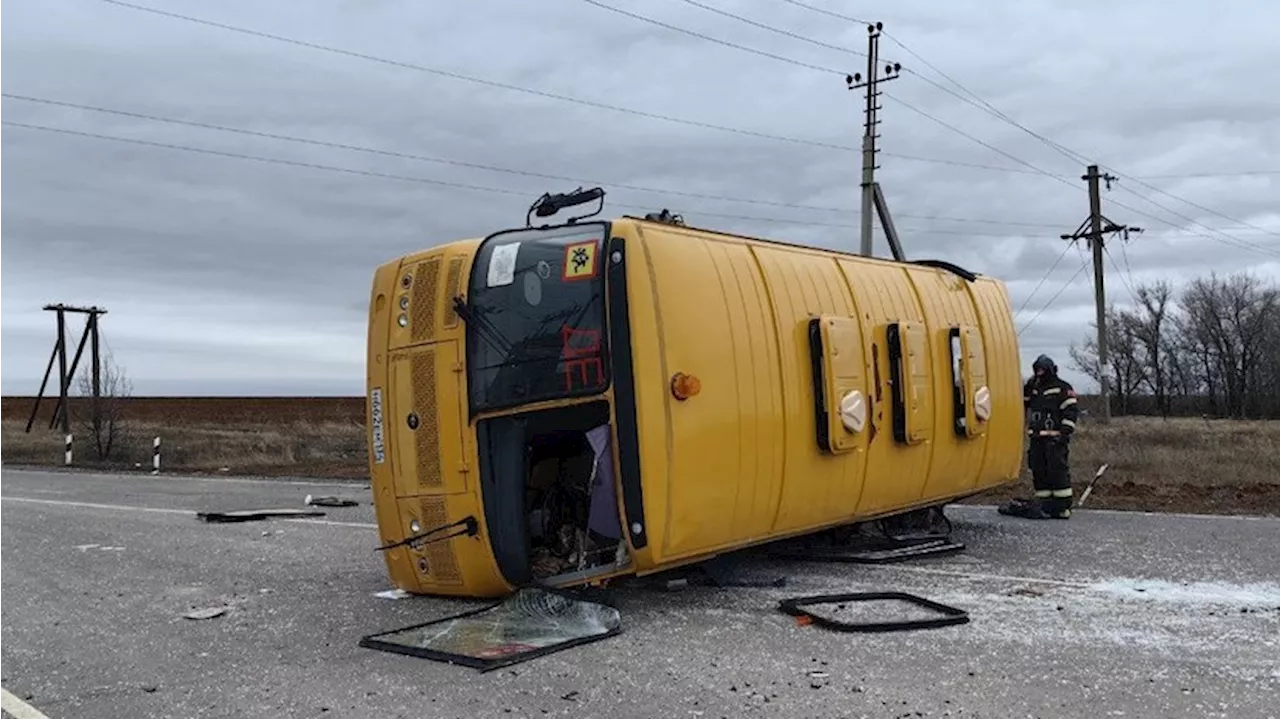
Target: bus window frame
{"type": "Point", "coordinates": [606, 355]}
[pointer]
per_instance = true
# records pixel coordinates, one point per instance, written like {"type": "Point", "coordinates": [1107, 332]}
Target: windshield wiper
{"type": "Point", "coordinates": [486, 329]}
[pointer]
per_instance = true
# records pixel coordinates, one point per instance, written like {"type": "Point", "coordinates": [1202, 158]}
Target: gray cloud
{"type": "Point", "coordinates": [233, 276]}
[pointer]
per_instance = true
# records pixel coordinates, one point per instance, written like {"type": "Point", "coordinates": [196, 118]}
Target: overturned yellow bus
{"type": "Point", "coordinates": [562, 404]}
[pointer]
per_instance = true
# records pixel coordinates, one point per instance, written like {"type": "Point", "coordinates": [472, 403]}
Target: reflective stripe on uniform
{"type": "Point", "coordinates": [1043, 493]}
{"type": "Point", "coordinates": [1067, 402]}
{"type": "Point", "coordinates": [1059, 493]}
{"type": "Point", "coordinates": [1053, 390]}
{"type": "Point", "coordinates": [1068, 423]}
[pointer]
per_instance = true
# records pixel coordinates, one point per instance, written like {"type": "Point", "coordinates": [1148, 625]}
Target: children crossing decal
{"type": "Point", "coordinates": [579, 261]}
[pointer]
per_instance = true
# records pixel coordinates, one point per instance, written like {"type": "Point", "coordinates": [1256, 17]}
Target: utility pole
{"type": "Point", "coordinates": [872, 196]}
{"type": "Point", "coordinates": [65, 373]}
{"type": "Point", "coordinates": [1095, 229]}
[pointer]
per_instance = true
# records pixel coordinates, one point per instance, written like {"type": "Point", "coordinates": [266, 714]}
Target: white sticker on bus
{"type": "Point", "coordinates": [375, 410]}
{"type": "Point", "coordinates": [502, 265]}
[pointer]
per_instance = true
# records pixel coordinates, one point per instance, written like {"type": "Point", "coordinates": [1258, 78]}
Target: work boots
{"type": "Point", "coordinates": [1050, 508]}
{"type": "Point", "coordinates": [1057, 507]}
{"type": "Point", "coordinates": [1025, 508]}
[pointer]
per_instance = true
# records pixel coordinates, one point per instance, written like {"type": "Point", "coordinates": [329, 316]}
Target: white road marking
{"type": "Point", "coordinates": [94, 505]}
{"type": "Point", "coordinates": [983, 577]}
{"type": "Point", "coordinates": [18, 708]}
{"type": "Point", "coordinates": [1129, 513]}
{"type": "Point", "coordinates": [354, 483]}
{"type": "Point", "coordinates": [165, 510]}
{"type": "Point", "coordinates": [361, 525]}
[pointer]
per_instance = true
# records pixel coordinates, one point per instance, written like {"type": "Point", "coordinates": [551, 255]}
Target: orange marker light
{"type": "Point", "coordinates": [684, 386]}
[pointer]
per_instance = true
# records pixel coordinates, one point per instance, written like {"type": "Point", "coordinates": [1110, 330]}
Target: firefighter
{"type": "Point", "coordinates": [1052, 411]}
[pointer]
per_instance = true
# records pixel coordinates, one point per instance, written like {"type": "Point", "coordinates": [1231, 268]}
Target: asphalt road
{"type": "Point", "coordinates": [1109, 614]}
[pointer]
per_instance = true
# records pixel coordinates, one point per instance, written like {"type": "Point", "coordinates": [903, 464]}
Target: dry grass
{"type": "Point", "coordinates": [320, 448]}
{"type": "Point", "coordinates": [1188, 465]}
{"type": "Point", "coordinates": [1182, 451]}
{"type": "Point", "coordinates": [1191, 465]}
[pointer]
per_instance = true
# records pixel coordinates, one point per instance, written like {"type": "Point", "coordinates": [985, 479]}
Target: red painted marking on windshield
{"type": "Point", "coordinates": [581, 351]}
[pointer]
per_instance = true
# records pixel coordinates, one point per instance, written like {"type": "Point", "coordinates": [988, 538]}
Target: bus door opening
{"type": "Point", "coordinates": [536, 333]}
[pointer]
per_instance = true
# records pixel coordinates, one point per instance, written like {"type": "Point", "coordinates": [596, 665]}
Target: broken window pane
{"type": "Point", "coordinates": [530, 623]}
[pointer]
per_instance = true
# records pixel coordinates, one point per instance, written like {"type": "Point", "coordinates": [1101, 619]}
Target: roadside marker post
{"type": "Point", "coordinates": [67, 456]}
{"type": "Point", "coordinates": [155, 456]}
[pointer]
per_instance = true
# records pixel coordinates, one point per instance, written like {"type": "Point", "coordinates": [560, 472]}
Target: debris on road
{"type": "Point", "coordinates": [251, 515]}
{"type": "Point", "coordinates": [923, 533]}
{"type": "Point", "coordinates": [872, 552]}
{"type": "Point", "coordinates": [207, 613]}
{"type": "Point", "coordinates": [949, 615]}
{"type": "Point", "coordinates": [329, 502]}
{"type": "Point", "coordinates": [718, 572]}
{"type": "Point", "coordinates": [392, 594]}
{"type": "Point", "coordinates": [533, 622]}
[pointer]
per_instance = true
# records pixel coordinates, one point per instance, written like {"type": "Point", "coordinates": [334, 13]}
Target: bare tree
{"type": "Point", "coordinates": [104, 422]}
{"type": "Point", "coordinates": [1215, 348]}
{"type": "Point", "coordinates": [1125, 368]}
{"type": "Point", "coordinates": [1150, 329]}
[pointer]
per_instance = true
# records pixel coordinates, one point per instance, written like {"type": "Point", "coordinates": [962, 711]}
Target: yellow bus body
{"type": "Point", "coordinates": [830, 388]}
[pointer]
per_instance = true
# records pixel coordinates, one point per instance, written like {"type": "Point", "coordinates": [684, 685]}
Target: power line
{"type": "Point", "coordinates": [406, 155]}
{"type": "Point", "coordinates": [980, 103]}
{"type": "Point", "coordinates": [977, 101]}
{"type": "Point", "coordinates": [478, 80]}
{"type": "Point", "coordinates": [591, 103]}
{"type": "Point", "coordinates": [1200, 207]}
{"type": "Point", "coordinates": [541, 93]}
{"type": "Point", "coordinates": [973, 98]}
{"type": "Point", "coordinates": [784, 59]}
{"type": "Point", "coordinates": [1225, 238]}
{"type": "Point", "coordinates": [491, 168]}
{"type": "Point", "coordinates": [1115, 266]}
{"type": "Point", "coordinates": [1065, 285]}
{"type": "Point", "coordinates": [1128, 268]}
{"type": "Point", "coordinates": [771, 28]}
{"type": "Point", "coordinates": [442, 183]}
{"type": "Point", "coordinates": [256, 158]}
{"type": "Point", "coordinates": [957, 163]}
{"type": "Point", "coordinates": [1043, 279]}
{"type": "Point", "coordinates": [827, 12]}
{"type": "Point", "coordinates": [716, 40]}
{"type": "Point", "coordinates": [1235, 173]}
{"type": "Point", "coordinates": [985, 144]}
{"type": "Point", "coordinates": [829, 46]}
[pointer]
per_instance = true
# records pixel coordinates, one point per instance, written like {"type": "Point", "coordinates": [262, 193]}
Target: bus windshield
{"type": "Point", "coordinates": [535, 317]}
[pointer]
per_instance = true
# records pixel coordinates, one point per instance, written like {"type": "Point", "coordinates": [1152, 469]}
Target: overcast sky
{"type": "Point", "coordinates": [225, 275]}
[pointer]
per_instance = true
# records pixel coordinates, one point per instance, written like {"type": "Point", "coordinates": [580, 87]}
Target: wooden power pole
{"type": "Point", "coordinates": [1095, 229]}
{"type": "Point", "coordinates": [872, 196]}
{"type": "Point", "coordinates": [65, 373]}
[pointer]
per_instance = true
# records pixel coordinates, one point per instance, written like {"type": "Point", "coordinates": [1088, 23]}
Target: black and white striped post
{"type": "Point", "coordinates": [155, 456]}
{"type": "Point", "coordinates": [67, 457]}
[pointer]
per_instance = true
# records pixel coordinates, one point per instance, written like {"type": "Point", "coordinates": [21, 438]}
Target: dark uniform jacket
{"type": "Point", "coordinates": [1051, 405]}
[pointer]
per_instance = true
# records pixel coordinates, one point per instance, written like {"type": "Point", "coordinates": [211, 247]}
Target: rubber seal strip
{"type": "Point", "coordinates": [951, 616]}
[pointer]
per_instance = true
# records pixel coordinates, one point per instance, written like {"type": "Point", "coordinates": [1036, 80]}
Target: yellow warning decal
{"type": "Point", "coordinates": [580, 261]}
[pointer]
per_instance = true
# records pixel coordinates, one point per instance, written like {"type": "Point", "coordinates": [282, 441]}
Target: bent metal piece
{"type": "Point", "coordinates": [250, 515]}
{"type": "Point", "coordinates": [893, 552]}
{"type": "Point", "coordinates": [950, 615]}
